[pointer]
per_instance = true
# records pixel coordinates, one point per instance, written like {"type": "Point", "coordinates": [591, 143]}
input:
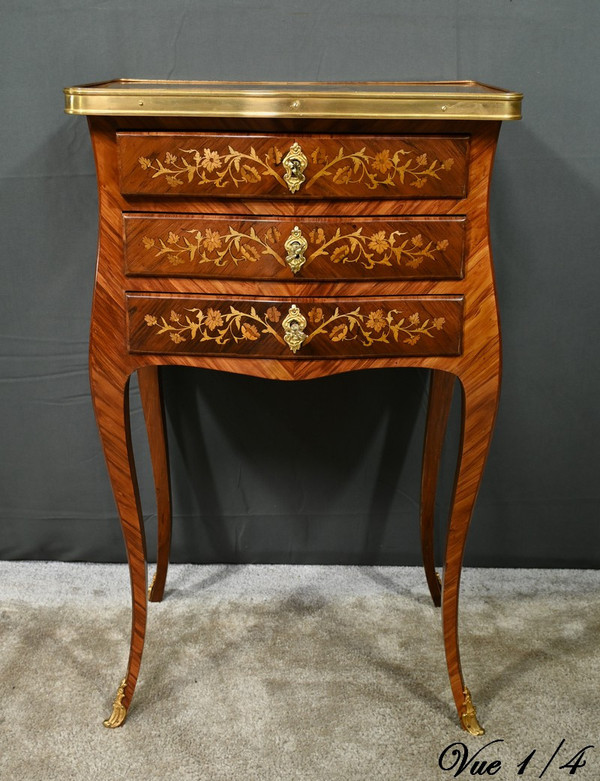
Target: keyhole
{"type": "Point", "coordinates": [296, 249]}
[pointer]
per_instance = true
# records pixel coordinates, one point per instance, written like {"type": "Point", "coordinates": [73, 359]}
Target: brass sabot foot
{"type": "Point", "coordinates": [439, 578]}
{"type": "Point", "coordinates": [469, 716]}
{"type": "Point", "coordinates": [119, 712]}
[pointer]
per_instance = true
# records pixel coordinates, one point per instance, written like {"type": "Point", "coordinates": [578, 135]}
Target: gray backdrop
{"type": "Point", "coordinates": [349, 490]}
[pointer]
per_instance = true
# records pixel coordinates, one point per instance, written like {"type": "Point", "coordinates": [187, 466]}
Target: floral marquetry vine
{"type": "Point", "coordinates": [377, 325]}
{"type": "Point", "coordinates": [380, 248]}
{"type": "Point", "coordinates": [384, 168]}
{"type": "Point", "coordinates": [212, 167]}
{"type": "Point", "coordinates": [208, 166]}
{"type": "Point", "coordinates": [226, 324]}
{"type": "Point", "coordinates": [216, 247]}
{"type": "Point", "coordinates": [341, 246]}
{"type": "Point", "coordinates": [217, 325]}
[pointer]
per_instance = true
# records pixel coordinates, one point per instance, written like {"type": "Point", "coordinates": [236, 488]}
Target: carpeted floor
{"type": "Point", "coordinates": [311, 673]}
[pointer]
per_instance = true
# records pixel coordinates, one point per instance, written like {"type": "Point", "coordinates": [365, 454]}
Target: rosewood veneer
{"type": "Point", "coordinates": [292, 231]}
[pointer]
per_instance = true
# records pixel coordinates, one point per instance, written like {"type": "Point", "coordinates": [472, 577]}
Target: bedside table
{"type": "Point", "coordinates": [292, 231]}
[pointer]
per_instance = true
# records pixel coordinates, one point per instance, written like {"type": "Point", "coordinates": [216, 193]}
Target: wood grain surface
{"type": "Point", "coordinates": [337, 248]}
{"type": "Point", "coordinates": [242, 166]}
{"type": "Point", "coordinates": [344, 327]}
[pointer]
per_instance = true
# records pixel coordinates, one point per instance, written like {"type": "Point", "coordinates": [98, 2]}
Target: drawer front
{"type": "Point", "coordinates": [306, 328]}
{"type": "Point", "coordinates": [314, 249]}
{"type": "Point", "coordinates": [260, 166]}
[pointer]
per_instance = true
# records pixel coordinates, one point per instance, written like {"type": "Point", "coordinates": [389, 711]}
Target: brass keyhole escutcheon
{"type": "Point", "coordinates": [294, 324]}
{"type": "Point", "coordinates": [295, 246]}
{"type": "Point", "coordinates": [294, 163]}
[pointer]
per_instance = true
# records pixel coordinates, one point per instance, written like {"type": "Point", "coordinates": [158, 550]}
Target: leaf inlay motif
{"type": "Point", "coordinates": [222, 325]}
{"type": "Point", "coordinates": [234, 168]}
{"type": "Point", "coordinates": [368, 249]}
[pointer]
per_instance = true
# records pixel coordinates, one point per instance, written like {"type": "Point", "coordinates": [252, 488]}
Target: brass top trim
{"type": "Point", "coordinates": [368, 100]}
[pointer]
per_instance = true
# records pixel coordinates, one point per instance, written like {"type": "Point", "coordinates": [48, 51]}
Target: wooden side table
{"type": "Point", "coordinates": [292, 231]}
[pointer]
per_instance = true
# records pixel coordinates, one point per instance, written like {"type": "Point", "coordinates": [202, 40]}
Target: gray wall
{"type": "Point", "coordinates": [349, 490]}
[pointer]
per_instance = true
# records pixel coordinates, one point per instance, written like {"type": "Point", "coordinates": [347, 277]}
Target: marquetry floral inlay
{"type": "Point", "coordinates": [369, 249]}
{"type": "Point", "coordinates": [217, 325]}
{"type": "Point", "coordinates": [225, 324]}
{"type": "Point", "coordinates": [213, 246]}
{"type": "Point", "coordinates": [223, 169]}
{"type": "Point", "coordinates": [379, 248]}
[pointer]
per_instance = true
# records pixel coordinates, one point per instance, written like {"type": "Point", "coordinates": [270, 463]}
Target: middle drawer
{"type": "Point", "coordinates": [304, 249]}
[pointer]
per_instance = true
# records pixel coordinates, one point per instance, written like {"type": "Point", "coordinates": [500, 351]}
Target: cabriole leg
{"type": "Point", "coordinates": [152, 404]}
{"type": "Point", "coordinates": [440, 399]}
{"type": "Point", "coordinates": [480, 397]}
{"type": "Point", "coordinates": [110, 395]}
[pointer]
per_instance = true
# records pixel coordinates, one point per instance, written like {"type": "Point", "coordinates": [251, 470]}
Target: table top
{"type": "Point", "coordinates": [376, 100]}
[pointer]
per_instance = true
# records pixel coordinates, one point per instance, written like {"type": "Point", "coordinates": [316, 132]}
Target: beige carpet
{"type": "Point", "coordinates": [277, 673]}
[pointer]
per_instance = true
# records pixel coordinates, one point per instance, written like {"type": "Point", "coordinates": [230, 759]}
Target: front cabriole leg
{"type": "Point", "coordinates": [480, 392]}
{"type": "Point", "coordinates": [110, 396]}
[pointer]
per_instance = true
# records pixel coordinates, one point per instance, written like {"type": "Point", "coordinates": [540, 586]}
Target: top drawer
{"type": "Point", "coordinates": [285, 166]}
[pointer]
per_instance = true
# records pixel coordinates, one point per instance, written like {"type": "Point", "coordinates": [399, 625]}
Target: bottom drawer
{"type": "Point", "coordinates": [301, 327]}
